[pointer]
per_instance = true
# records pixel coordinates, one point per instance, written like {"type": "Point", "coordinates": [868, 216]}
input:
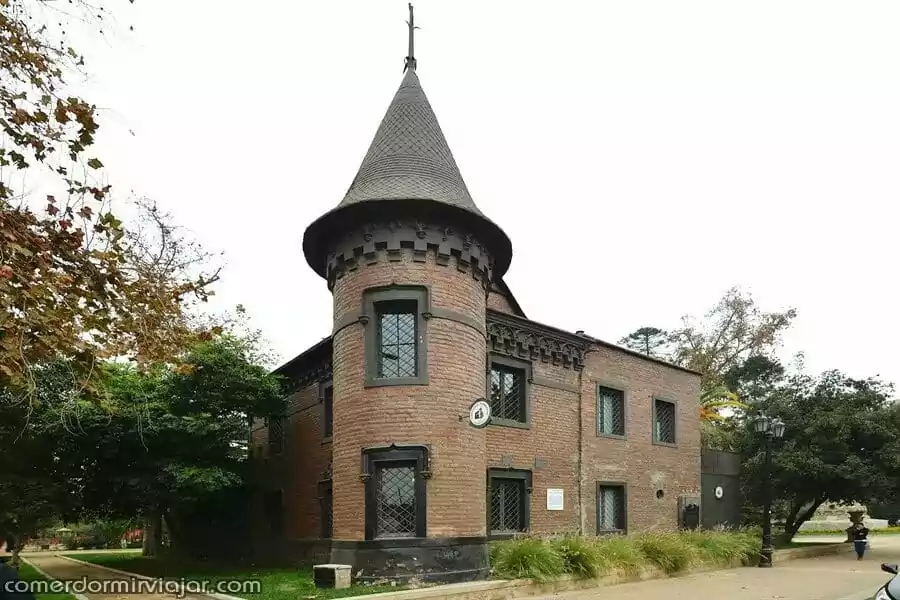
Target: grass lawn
{"type": "Point", "coordinates": [276, 583]}
{"type": "Point", "coordinates": [29, 573]}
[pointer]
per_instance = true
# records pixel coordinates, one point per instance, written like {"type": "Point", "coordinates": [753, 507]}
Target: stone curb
{"type": "Point", "coordinates": [144, 577]}
{"type": "Point", "coordinates": [812, 551]}
{"type": "Point", "coordinates": [520, 588]}
{"type": "Point", "coordinates": [49, 577]}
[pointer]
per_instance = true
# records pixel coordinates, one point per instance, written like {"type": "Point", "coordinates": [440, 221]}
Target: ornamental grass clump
{"type": "Point", "coordinates": [527, 558]}
{"type": "Point", "coordinates": [619, 555]}
{"type": "Point", "coordinates": [580, 556]}
{"type": "Point", "coordinates": [669, 552]}
{"type": "Point", "coordinates": [723, 549]}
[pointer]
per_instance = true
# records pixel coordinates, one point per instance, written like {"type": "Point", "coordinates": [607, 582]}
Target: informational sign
{"type": "Point", "coordinates": [719, 492]}
{"type": "Point", "coordinates": [555, 499]}
{"type": "Point", "coordinates": [480, 413]}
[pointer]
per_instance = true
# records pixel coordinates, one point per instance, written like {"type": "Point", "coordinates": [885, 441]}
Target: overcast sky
{"type": "Point", "coordinates": [643, 156]}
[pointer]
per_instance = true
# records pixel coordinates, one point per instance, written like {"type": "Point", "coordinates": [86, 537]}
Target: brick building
{"type": "Point", "coordinates": [375, 463]}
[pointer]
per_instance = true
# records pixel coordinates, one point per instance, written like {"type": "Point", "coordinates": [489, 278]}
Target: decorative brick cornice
{"type": "Point", "coordinates": [312, 366]}
{"type": "Point", "coordinates": [317, 372]}
{"type": "Point", "coordinates": [388, 240]}
{"type": "Point", "coordinates": [521, 338]}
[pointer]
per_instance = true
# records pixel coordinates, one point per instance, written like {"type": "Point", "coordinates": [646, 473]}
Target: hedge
{"type": "Point", "coordinates": [546, 558]}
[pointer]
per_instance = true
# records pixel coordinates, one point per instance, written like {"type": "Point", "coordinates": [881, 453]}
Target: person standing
{"type": "Point", "coordinates": [860, 535]}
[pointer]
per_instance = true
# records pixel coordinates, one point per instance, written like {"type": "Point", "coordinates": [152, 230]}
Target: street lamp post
{"type": "Point", "coordinates": [770, 429]}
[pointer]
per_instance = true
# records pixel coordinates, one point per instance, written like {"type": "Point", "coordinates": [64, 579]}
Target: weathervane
{"type": "Point", "coordinates": [410, 62]}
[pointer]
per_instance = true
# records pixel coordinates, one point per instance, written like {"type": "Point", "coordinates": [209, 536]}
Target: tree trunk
{"type": "Point", "coordinates": [176, 539]}
{"type": "Point", "coordinates": [16, 547]}
{"type": "Point", "coordinates": [800, 514]}
{"type": "Point", "coordinates": [152, 544]}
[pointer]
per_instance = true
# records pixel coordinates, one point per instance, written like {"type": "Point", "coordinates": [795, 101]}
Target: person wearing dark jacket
{"type": "Point", "coordinates": [8, 578]}
{"type": "Point", "coordinates": [860, 535]}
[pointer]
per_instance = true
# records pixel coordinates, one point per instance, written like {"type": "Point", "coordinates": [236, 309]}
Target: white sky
{"type": "Point", "coordinates": [668, 150]}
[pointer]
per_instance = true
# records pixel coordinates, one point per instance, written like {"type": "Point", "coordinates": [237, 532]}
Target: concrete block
{"type": "Point", "coordinates": [332, 576]}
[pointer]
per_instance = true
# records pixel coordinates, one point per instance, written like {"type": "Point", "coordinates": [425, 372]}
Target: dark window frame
{"type": "Point", "coordinates": [372, 297]}
{"type": "Point", "coordinates": [269, 510]}
{"type": "Point", "coordinates": [605, 386]}
{"type": "Point", "coordinates": [372, 459]}
{"type": "Point", "coordinates": [327, 409]}
{"type": "Point", "coordinates": [617, 485]}
{"type": "Point", "coordinates": [276, 446]}
{"type": "Point", "coordinates": [653, 437]}
{"type": "Point", "coordinates": [527, 379]}
{"type": "Point", "coordinates": [523, 475]}
{"type": "Point", "coordinates": [326, 509]}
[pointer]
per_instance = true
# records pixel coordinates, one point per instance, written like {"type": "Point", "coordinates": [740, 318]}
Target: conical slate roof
{"type": "Point", "coordinates": [409, 167]}
{"type": "Point", "coordinates": [409, 157]}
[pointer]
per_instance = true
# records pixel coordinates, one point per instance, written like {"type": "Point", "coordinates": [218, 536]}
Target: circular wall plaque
{"type": "Point", "coordinates": [719, 492]}
{"type": "Point", "coordinates": [480, 413]}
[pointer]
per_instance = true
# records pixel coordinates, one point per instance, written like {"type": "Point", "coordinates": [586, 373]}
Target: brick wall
{"type": "Point", "coordinates": [548, 448]}
{"type": "Point", "coordinates": [497, 301]}
{"type": "Point", "coordinates": [413, 414]}
{"type": "Point", "coordinates": [643, 465]}
{"type": "Point", "coordinates": [297, 470]}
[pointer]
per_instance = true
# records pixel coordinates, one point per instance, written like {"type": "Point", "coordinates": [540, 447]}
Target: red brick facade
{"type": "Point", "coordinates": [560, 447]}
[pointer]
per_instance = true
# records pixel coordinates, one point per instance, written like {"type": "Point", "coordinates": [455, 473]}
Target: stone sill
{"type": "Point", "coordinates": [499, 589]}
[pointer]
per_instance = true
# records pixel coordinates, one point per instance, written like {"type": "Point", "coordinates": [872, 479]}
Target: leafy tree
{"type": "Point", "coordinates": [31, 490]}
{"type": "Point", "coordinates": [651, 341]}
{"type": "Point", "coordinates": [74, 282]}
{"type": "Point", "coordinates": [840, 444]}
{"type": "Point", "coordinates": [754, 378]}
{"type": "Point", "coordinates": [732, 331]}
{"type": "Point", "coordinates": [163, 440]}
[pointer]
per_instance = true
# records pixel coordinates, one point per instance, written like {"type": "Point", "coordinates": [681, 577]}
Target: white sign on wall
{"type": "Point", "coordinates": [555, 499]}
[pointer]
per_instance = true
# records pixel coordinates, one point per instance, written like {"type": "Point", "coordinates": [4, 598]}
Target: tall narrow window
{"type": "Point", "coordinates": [395, 491]}
{"type": "Point", "coordinates": [611, 508]}
{"type": "Point", "coordinates": [610, 412]}
{"type": "Point", "coordinates": [664, 422]}
{"type": "Point", "coordinates": [397, 345]}
{"type": "Point", "coordinates": [508, 391]}
{"type": "Point", "coordinates": [509, 503]}
{"type": "Point", "coordinates": [326, 506]}
{"type": "Point", "coordinates": [327, 409]}
{"type": "Point", "coordinates": [395, 497]}
{"type": "Point", "coordinates": [276, 434]}
{"type": "Point", "coordinates": [274, 509]}
{"type": "Point", "coordinates": [395, 335]}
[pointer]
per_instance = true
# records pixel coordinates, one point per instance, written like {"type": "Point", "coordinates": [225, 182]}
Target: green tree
{"type": "Point", "coordinates": [840, 444]}
{"type": "Point", "coordinates": [162, 440]}
{"type": "Point", "coordinates": [651, 341]}
{"type": "Point", "coordinates": [734, 330]}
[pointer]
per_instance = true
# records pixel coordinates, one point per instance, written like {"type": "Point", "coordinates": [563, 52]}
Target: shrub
{"type": "Point", "coordinates": [723, 549]}
{"type": "Point", "coordinates": [589, 558]}
{"type": "Point", "coordinates": [526, 558]}
{"type": "Point", "coordinates": [668, 551]}
{"type": "Point", "coordinates": [581, 558]}
{"type": "Point", "coordinates": [618, 554]}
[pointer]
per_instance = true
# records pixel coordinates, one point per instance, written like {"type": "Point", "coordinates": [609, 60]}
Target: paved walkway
{"type": "Point", "coordinates": [60, 568]}
{"type": "Point", "coordinates": [836, 577]}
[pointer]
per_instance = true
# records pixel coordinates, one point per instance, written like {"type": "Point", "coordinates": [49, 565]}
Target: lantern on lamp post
{"type": "Point", "coordinates": [770, 429]}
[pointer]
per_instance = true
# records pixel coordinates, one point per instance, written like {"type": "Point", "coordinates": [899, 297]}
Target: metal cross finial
{"type": "Point", "coordinates": [410, 62]}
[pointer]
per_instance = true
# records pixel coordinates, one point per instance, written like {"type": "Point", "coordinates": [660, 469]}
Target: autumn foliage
{"type": "Point", "coordinates": [75, 282]}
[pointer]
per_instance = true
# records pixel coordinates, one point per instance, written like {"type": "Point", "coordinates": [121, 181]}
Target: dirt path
{"type": "Point", "coordinates": [62, 569]}
{"type": "Point", "coordinates": [837, 577]}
